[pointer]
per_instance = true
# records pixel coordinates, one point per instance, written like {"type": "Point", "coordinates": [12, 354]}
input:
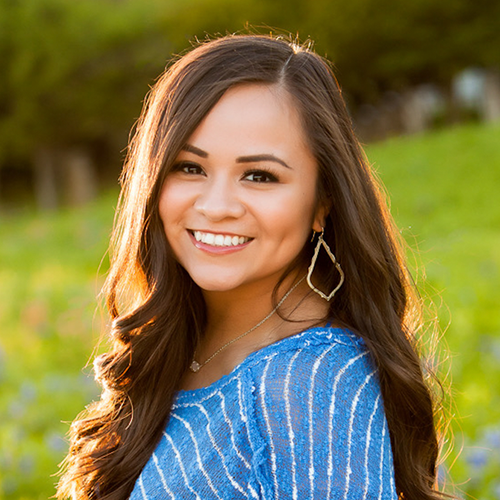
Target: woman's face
{"type": "Point", "coordinates": [240, 202]}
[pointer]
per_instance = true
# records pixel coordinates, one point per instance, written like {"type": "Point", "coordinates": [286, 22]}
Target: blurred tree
{"type": "Point", "coordinates": [74, 73]}
{"type": "Point", "coordinates": [380, 45]}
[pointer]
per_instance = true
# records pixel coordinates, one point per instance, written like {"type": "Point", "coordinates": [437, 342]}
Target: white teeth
{"type": "Point", "coordinates": [219, 240]}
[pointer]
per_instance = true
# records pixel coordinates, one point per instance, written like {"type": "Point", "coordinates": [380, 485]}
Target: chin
{"type": "Point", "coordinates": [218, 284]}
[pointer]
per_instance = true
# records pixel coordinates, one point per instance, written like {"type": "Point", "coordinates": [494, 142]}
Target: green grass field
{"type": "Point", "coordinates": [443, 186]}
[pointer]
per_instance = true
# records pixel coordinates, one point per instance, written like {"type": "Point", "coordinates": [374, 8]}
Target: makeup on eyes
{"type": "Point", "coordinates": [183, 165]}
{"type": "Point", "coordinates": [270, 175]}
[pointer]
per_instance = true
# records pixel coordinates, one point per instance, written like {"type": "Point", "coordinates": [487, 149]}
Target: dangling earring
{"type": "Point", "coordinates": [321, 242]}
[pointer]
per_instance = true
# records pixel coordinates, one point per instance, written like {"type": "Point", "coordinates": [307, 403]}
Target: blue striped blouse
{"type": "Point", "coordinates": [302, 418]}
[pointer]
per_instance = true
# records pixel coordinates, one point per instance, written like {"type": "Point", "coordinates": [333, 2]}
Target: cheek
{"type": "Point", "coordinates": [172, 204]}
{"type": "Point", "coordinates": [291, 219]}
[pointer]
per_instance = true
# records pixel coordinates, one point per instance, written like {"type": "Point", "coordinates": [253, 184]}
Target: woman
{"type": "Point", "coordinates": [263, 317]}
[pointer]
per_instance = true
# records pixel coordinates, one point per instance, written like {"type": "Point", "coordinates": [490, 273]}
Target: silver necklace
{"type": "Point", "coordinates": [196, 367]}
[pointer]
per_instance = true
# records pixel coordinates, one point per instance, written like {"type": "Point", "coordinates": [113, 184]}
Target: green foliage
{"type": "Point", "coordinates": [76, 71]}
{"type": "Point", "coordinates": [443, 189]}
{"type": "Point", "coordinates": [381, 45]}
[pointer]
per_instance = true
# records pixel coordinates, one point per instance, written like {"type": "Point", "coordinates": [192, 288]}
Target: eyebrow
{"type": "Point", "coordinates": [241, 159]}
{"type": "Point", "coordinates": [263, 157]}
{"type": "Point", "coordinates": [193, 149]}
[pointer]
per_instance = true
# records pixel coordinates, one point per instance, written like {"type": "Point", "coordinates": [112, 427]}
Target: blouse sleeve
{"type": "Point", "coordinates": [318, 429]}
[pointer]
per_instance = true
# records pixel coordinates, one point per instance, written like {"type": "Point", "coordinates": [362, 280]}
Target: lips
{"type": "Point", "coordinates": [220, 240]}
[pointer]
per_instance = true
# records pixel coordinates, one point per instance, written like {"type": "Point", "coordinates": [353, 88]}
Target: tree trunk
{"type": "Point", "coordinates": [491, 96]}
{"type": "Point", "coordinates": [45, 165]}
{"type": "Point", "coordinates": [79, 176]}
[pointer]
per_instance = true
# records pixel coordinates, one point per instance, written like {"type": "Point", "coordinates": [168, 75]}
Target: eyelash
{"type": "Point", "coordinates": [182, 166]}
{"type": "Point", "coordinates": [269, 177]}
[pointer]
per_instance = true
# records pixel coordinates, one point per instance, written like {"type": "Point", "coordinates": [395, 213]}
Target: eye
{"type": "Point", "coordinates": [188, 167]}
{"type": "Point", "coordinates": [260, 176]}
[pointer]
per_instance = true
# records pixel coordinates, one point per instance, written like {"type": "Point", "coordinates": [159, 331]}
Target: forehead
{"type": "Point", "coordinates": [253, 118]}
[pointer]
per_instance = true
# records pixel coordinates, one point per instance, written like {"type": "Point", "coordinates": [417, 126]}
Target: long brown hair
{"type": "Point", "coordinates": [158, 313]}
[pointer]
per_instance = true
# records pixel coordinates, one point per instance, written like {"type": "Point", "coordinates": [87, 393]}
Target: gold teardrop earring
{"type": "Point", "coordinates": [322, 242]}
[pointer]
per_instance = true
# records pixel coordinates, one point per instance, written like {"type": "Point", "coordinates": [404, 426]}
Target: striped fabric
{"type": "Point", "coordinates": [300, 419]}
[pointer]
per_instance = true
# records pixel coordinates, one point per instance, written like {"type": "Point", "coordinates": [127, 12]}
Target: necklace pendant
{"type": "Point", "coordinates": [195, 366]}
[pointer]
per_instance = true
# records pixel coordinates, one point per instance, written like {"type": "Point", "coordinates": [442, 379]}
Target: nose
{"type": "Point", "coordinates": [219, 200]}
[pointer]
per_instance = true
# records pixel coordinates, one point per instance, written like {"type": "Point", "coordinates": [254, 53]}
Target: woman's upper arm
{"type": "Point", "coordinates": [320, 427]}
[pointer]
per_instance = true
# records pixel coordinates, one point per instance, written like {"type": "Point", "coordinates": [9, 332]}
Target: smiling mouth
{"type": "Point", "coordinates": [219, 240]}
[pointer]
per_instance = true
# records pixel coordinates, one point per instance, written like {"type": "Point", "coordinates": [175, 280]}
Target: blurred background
{"type": "Point", "coordinates": [422, 83]}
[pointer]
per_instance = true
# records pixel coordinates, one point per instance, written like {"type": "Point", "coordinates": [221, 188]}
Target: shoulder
{"type": "Point", "coordinates": [325, 372]}
{"type": "Point", "coordinates": [322, 356]}
{"type": "Point", "coordinates": [315, 408]}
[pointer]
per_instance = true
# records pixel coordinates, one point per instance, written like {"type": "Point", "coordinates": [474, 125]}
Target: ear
{"type": "Point", "coordinates": [320, 218]}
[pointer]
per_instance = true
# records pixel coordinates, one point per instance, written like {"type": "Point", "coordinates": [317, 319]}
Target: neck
{"type": "Point", "coordinates": [235, 326]}
{"type": "Point", "coordinates": [232, 312]}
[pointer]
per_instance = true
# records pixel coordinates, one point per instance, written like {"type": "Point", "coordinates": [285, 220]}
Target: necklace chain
{"type": "Point", "coordinates": [195, 366]}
